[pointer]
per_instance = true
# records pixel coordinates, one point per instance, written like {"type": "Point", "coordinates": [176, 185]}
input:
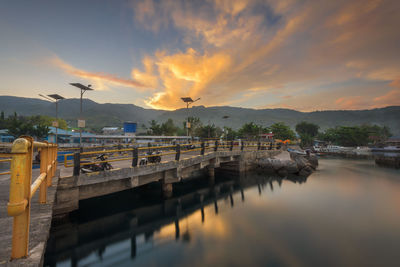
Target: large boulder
{"type": "Point", "coordinates": [306, 171]}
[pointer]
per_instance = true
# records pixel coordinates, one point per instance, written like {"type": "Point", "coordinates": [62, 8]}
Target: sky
{"type": "Point", "coordinates": [298, 54]}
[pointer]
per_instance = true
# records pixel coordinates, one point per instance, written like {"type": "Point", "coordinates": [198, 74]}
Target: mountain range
{"type": "Point", "coordinates": [100, 115]}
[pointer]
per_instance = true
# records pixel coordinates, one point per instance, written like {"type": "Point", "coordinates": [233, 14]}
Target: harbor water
{"type": "Point", "coordinates": [344, 214]}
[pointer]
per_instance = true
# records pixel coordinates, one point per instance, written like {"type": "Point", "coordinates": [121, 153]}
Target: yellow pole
{"type": "Point", "coordinates": [55, 160]}
{"type": "Point", "coordinates": [51, 163]}
{"type": "Point", "coordinates": [20, 189]}
{"type": "Point", "coordinates": [48, 162]}
{"type": "Point", "coordinates": [43, 169]}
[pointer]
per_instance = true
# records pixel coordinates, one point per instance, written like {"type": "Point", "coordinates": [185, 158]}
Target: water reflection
{"type": "Point", "coordinates": [90, 232]}
{"type": "Point", "coordinates": [345, 214]}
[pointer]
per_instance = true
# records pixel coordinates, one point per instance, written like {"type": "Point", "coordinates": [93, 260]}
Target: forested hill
{"type": "Point", "coordinates": [100, 115]}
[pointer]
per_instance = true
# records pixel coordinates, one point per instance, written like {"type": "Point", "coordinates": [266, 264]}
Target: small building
{"type": "Point", "coordinates": [267, 136]}
{"type": "Point", "coordinates": [130, 128]}
{"type": "Point", "coordinates": [393, 141]}
{"type": "Point", "coordinates": [5, 137]}
{"type": "Point", "coordinates": [69, 137]}
{"type": "Point", "coordinates": [111, 130]}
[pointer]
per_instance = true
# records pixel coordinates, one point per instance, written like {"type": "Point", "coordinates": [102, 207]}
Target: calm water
{"type": "Point", "coordinates": [345, 214]}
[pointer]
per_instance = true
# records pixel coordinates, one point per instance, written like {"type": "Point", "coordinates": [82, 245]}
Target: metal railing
{"type": "Point", "coordinates": [136, 153]}
{"type": "Point", "coordinates": [22, 190]}
{"type": "Point", "coordinates": [5, 160]}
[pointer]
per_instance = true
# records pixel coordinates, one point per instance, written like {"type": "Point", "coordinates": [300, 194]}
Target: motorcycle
{"type": "Point", "coordinates": [95, 167]}
{"type": "Point", "coordinates": [152, 159]}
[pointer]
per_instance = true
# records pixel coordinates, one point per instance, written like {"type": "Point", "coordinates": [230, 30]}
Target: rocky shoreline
{"type": "Point", "coordinates": [290, 163]}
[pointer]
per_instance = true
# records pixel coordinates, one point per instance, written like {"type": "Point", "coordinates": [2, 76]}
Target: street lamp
{"type": "Point", "coordinates": [54, 98]}
{"type": "Point", "coordinates": [226, 134]}
{"type": "Point", "coordinates": [188, 101]}
{"type": "Point", "coordinates": [81, 122]}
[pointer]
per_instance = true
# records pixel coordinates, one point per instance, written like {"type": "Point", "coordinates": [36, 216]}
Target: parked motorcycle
{"type": "Point", "coordinates": [152, 159]}
{"type": "Point", "coordinates": [155, 159]}
{"type": "Point", "coordinates": [96, 167]}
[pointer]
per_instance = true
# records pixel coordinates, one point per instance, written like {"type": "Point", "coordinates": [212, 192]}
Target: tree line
{"type": "Point", "coordinates": [197, 128]}
{"type": "Point", "coordinates": [306, 132]}
{"type": "Point", "coordinates": [361, 135]}
{"type": "Point", "coordinates": [36, 126]}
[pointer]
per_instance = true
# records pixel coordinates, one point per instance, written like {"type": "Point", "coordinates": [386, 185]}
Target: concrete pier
{"type": "Point", "coordinates": [68, 190]}
{"type": "Point", "coordinates": [75, 188]}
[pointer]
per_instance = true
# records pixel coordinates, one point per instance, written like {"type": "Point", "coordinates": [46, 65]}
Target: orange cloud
{"type": "Point", "coordinates": [391, 98]}
{"type": "Point", "coordinates": [230, 53]}
{"type": "Point", "coordinates": [100, 79]}
{"type": "Point", "coordinates": [186, 74]}
{"type": "Point", "coordinates": [231, 49]}
{"type": "Point", "coordinates": [352, 102]}
{"type": "Point", "coordinates": [395, 83]}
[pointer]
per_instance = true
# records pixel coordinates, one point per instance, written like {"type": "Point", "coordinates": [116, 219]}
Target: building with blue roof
{"type": "Point", "coordinates": [5, 137]}
{"type": "Point", "coordinates": [69, 137]}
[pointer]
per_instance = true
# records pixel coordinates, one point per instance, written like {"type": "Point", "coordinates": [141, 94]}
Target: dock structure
{"type": "Point", "coordinates": [70, 185]}
{"type": "Point", "coordinates": [75, 241]}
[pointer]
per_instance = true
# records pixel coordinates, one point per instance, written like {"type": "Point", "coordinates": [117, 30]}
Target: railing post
{"type": "Point", "coordinates": [203, 148]}
{"type": "Point", "coordinates": [242, 146]}
{"type": "Point", "coordinates": [259, 145]}
{"type": "Point", "coordinates": [135, 157]}
{"type": "Point", "coordinates": [231, 148]}
{"type": "Point", "coordinates": [43, 169]}
{"type": "Point", "coordinates": [55, 160]}
{"type": "Point", "coordinates": [216, 145]}
{"type": "Point", "coordinates": [48, 161]}
{"type": "Point", "coordinates": [77, 163]}
{"type": "Point", "coordinates": [178, 152]}
{"type": "Point", "coordinates": [52, 163]}
{"type": "Point", "coordinates": [20, 190]}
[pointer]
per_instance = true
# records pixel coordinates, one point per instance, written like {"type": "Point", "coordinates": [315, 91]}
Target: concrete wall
{"type": "Point", "coordinates": [72, 189]}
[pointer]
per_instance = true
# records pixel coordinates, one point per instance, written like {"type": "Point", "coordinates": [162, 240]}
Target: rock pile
{"type": "Point", "coordinates": [302, 165]}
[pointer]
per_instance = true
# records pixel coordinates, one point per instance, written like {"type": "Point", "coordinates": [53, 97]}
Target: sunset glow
{"type": "Point", "coordinates": [304, 55]}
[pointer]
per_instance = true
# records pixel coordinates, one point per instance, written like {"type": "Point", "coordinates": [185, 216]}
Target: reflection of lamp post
{"type": "Point", "coordinates": [81, 123]}
{"type": "Point", "coordinates": [188, 101]}
{"type": "Point", "coordinates": [55, 99]}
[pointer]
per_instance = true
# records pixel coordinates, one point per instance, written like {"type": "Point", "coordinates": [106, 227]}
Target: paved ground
{"type": "Point", "coordinates": [67, 172]}
{"type": "Point", "coordinates": [39, 227]}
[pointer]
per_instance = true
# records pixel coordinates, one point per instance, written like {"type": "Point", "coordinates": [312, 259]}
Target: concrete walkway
{"type": "Point", "coordinates": [40, 223]}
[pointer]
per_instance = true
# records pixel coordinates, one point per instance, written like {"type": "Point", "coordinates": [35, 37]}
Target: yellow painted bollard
{"type": "Point", "coordinates": [20, 189]}
{"type": "Point", "coordinates": [43, 169]}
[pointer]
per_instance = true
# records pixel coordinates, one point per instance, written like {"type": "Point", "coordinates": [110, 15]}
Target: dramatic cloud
{"type": "Point", "coordinates": [101, 80]}
{"type": "Point", "coordinates": [185, 74]}
{"type": "Point", "coordinates": [272, 53]}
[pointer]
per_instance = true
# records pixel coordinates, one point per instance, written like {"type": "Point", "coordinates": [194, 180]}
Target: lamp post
{"type": "Point", "coordinates": [81, 123]}
{"type": "Point", "coordinates": [188, 101]}
{"type": "Point", "coordinates": [226, 134]}
{"type": "Point", "coordinates": [55, 99]}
